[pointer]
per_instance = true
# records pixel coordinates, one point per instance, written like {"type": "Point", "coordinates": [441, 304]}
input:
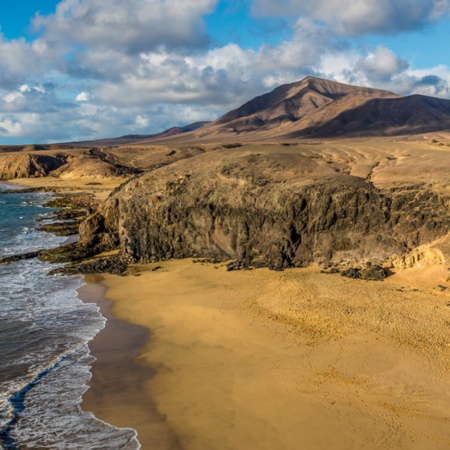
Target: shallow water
{"type": "Point", "coordinates": [44, 331]}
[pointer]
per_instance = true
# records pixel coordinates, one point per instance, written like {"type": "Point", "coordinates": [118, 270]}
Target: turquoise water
{"type": "Point", "coordinates": [44, 332]}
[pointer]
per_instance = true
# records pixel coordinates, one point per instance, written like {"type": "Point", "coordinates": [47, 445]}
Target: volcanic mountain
{"type": "Point", "coordinates": [318, 108]}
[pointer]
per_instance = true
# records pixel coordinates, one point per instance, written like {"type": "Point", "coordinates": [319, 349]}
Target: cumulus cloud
{"type": "Point", "coordinates": [131, 26]}
{"type": "Point", "coordinates": [142, 121]}
{"type": "Point", "coordinates": [384, 69]}
{"type": "Point", "coordinates": [222, 76]}
{"type": "Point", "coordinates": [356, 17]}
{"type": "Point", "coordinates": [432, 85]}
{"type": "Point", "coordinates": [11, 126]}
{"type": "Point", "coordinates": [381, 65]}
{"type": "Point", "coordinates": [20, 60]}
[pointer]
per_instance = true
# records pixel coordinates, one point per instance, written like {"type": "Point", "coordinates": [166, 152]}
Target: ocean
{"type": "Point", "coordinates": [44, 334]}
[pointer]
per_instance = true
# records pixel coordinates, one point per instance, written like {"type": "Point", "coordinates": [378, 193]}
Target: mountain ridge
{"type": "Point", "coordinates": [320, 108]}
{"type": "Point", "coordinates": [310, 108]}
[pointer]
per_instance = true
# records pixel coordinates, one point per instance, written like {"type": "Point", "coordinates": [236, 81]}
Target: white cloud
{"type": "Point", "coordinates": [21, 61]}
{"type": "Point", "coordinates": [21, 98]}
{"type": "Point", "coordinates": [381, 65]}
{"type": "Point", "coordinates": [12, 97]}
{"type": "Point", "coordinates": [11, 127]}
{"type": "Point", "coordinates": [142, 122]}
{"type": "Point", "coordinates": [24, 88]}
{"type": "Point", "coordinates": [356, 17]}
{"type": "Point", "coordinates": [383, 69]}
{"type": "Point", "coordinates": [223, 76]}
{"type": "Point", "coordinates": [130, 26]}
{"type": "Point", "coordinates": [82, 97]}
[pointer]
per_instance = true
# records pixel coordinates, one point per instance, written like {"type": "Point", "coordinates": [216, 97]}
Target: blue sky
{"type": "Point", "coordinates": [84, 69]}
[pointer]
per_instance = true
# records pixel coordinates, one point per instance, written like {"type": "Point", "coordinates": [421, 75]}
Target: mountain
{"type": "Point", "coordinates": [312, 108]}
{"type": "Point", "coordinates": [310, 100]}
{"type": "Point", "coordinates": [135, 138]}
{"type": "Point", "coordinates": [318, 108]}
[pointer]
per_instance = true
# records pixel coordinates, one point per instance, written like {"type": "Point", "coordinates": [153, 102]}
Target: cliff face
{"type": "Point", "coordinates": [275, 208]}
{"type": "Point", "coordinates": [18, 165]}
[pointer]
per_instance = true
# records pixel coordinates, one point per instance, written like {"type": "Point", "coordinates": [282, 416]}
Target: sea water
{"type": "Point", "coordinates": [44, 332]}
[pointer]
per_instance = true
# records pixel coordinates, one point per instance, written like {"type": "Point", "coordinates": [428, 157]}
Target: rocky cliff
{"type": "Point", "coordinates": [268, 206]}
{"type": "Point", "coordinates": [26, 165]}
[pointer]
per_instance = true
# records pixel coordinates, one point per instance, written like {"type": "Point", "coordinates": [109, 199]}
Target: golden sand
{"type": "Point", "coordinates": [297, 359]}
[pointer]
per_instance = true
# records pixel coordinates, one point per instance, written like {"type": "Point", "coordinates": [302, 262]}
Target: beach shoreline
{"type": "Point", "coordinates": [116, 393]}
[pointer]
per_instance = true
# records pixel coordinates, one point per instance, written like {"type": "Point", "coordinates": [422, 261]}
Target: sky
{"type": "Point", "coordinates": [85, 69]}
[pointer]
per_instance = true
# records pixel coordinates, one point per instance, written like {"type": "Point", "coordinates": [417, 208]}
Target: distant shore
{"type": "Point", "coordinates": [100, 188]}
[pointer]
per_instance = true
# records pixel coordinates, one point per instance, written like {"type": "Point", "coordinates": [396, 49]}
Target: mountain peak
{"type": "Point", "coordinates": [293, 102]}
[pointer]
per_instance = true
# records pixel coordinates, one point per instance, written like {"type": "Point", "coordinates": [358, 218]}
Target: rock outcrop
{"type": "Point", "coordinates": [275, 208]}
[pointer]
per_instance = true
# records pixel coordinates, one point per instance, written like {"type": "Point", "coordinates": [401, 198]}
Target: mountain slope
{"type": "Point", "coordinates": [137, 138]}
{"type": "Point", "coordinates": [414, 114]}
{"type": "Point", "coordinates": [317, 108]}
{"type": "Point", "coordinates": [293, 102]}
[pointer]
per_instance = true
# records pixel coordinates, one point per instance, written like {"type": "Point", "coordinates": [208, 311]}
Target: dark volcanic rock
{"type": "Point", "coordinates": [13, 258]}
{"type": "Point", "coordinates": [71, 214]}
{"type": "Point", "coordinates": [111, 264]}
{"type": "Point", "coordinates": [74, 209]}
{"type": "Point", "coordinates": [67, 253]}
{"type": "Point", "coordinates": [275, 209]}
{"type": "Point", "coordinates": [61, 228]}
{"type": "Point", "coordinates": [78, 202]}
{"type": "Point", "coordinates": [372, 273]}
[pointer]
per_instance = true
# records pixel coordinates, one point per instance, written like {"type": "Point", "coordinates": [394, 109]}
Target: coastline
{"type": "Point", "coordinates": [238, 366]}
{"type": "Point", "coordinates": [49, 341]}
{"type": "Point", "coordinates": [116, 393]}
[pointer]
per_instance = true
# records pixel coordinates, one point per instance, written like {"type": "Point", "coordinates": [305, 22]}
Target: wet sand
{"type": "Point", "coordinates": [298, 359]}
{"type": "Point", "coordinates": [116, 391]}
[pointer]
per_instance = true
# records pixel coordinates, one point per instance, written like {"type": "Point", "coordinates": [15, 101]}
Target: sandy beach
{"type": "Point", "coordinates": [282, 360]}
{"type": "Point", "coordinates": [99, 187]}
